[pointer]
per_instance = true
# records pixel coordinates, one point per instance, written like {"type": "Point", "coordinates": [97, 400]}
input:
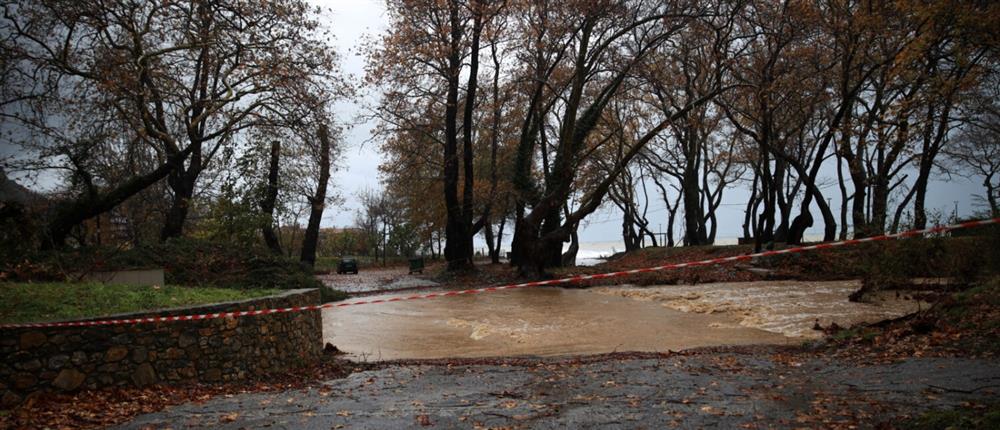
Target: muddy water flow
{"type": "Point", "coordinates": [791, 308]}
{"type": "Point", "coordinates": [556, 321]}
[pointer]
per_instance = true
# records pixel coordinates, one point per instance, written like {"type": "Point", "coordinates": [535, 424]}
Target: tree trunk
{"type": "Point", "coordinates": [533, 254]}
{"type": "Point", "coordinates": [880, 205]}
{"type": "Point", "coordinates": [784, 206]}
{"type": "Point", "coordinates": [569, 257]}
{"type": "Point", "coordinates": [488, 235]}
{"type": "Point", "coordinates": [629, 237]}
{"type": "Point", "coordinates": [693, 222]}
{"type": "Point", "coordinates": [932, 145]}
{"type": "Point", "coordinates": [899, 210]}
{"type": "Point", "coordinates": [799, 226]}
{"type": "Point", "coordinates": [671, 217]}
{"type": "Point", "coordinates": [270, 198]}
{"type": "Point", "coordinates": [923, 177]}
{"type": "Point", "coordinates": [552, 222]}
{"type": "Point", "coordinates": [182, 181]}
{"type": "Point", "coordinates": [458, 250]}
{"type": "Point", "coordinates": [318, 200]}
{"type": "Point", "coordinates": [671, 211]}
{"type": "Point", "coordinates": [748, 211]}
{"type": "Point", "coordinates": [844, 198]}
{"type": "Point", "coordinates": [991, 197]}
{"type": "Point", "coordinates": [468, 195]}
{"type": "Point", "coordinates": [70, 214]}
{"type": "Point", "coordinates": [859, 178]}
{"type": "Point", "coordinates": [765, 223]}
{"type": "Point", "coordinates": [495, 251]}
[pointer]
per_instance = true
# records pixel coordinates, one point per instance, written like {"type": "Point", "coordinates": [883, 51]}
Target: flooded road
{"type": "Point", "coordinates": [534, 321]}
{"type": "Point", "coordinates": [790, 308]}
{"type": "Point", "coordinates": [556, 321]}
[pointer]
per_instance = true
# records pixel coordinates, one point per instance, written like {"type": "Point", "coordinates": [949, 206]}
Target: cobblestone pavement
{"type": "Point", "coordinates": [761, 389]}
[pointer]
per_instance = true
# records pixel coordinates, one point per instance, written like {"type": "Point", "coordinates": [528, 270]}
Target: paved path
{"type": "Point", "coordinates": [710, 389]}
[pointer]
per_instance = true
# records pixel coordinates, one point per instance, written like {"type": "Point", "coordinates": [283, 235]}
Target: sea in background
{"type": "Point", "coordinates": [592, 253]}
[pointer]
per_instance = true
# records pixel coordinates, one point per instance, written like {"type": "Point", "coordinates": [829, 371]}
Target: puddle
{"type": "Point", "coordinates": [556, 321]}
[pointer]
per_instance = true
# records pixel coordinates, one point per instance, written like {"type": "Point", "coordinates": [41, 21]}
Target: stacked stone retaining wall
{"type": "Point", "coordinates": [215, 350]}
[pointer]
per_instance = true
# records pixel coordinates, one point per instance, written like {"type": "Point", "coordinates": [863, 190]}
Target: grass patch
{"type": "Point", "coordinates": [33, 302]}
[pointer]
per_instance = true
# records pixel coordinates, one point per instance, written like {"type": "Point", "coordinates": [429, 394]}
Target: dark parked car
{"type": "Point", "coordinates": [347, 265]}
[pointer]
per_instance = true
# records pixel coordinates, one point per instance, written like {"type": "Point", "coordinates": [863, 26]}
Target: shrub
{"type": "Point", "coordinates": [187, 262]}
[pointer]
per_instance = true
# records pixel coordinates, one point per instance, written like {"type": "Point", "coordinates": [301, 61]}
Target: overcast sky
{"type": "Point", "coordinates": [352, 19]}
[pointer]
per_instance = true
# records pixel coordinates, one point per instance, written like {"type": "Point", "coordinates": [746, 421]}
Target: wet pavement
{"type": "Point", "coordinates": [552, 321]}
{"type": "Point", "coordinates": [724, 390]}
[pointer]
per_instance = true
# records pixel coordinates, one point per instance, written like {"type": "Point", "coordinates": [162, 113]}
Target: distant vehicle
{"type": "Point", "coordinates": [416, 265]}
{"type": "Point", "coordinates": [347, 265]}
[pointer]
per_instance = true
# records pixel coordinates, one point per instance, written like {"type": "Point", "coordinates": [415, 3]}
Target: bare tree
{"type": "Point", "coordinates": [976, 152]}
{"type": "Point", "coordinates": [177, 79]}
{"type": "Point", "coordinates": [318, 200]}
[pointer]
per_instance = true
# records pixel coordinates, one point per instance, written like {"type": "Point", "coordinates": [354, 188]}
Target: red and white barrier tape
{"type": "Point", "coordinates": [237, 314]}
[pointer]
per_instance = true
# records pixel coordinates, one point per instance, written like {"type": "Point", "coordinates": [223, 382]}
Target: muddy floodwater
{"type": "Point", "coordinates": [791, 308]}
{"type": "Point", "coordinates": [557, 321]}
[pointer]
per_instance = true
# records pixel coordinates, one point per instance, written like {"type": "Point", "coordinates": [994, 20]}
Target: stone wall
{"type": "Point", "coordinates": [224, 349]}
